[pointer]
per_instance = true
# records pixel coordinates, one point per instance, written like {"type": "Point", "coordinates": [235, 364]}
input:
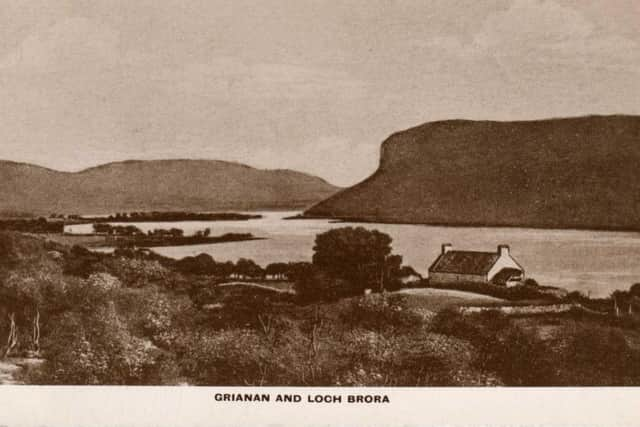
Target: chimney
{"type": "Point", "coordinates": [503, 250]}
{"type": "Point", "coordinates": [447, 247]}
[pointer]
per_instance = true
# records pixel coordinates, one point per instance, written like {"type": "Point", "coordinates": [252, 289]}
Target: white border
{"type": "Point", "coordinates": [196, 406]}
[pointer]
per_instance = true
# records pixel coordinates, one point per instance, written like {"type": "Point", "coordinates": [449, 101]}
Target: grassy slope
{"type": "Point", "coordinates": [438, 299]}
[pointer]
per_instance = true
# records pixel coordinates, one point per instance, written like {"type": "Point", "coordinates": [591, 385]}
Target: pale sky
{"type": "Point", "coordinates": [308, 85]}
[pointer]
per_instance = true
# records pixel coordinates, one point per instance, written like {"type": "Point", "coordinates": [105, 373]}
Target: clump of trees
{"type": "Point", "coordinates": [626, 303]}
{"type": "Point", "coordinates": [117, 230]}
{"type": "Point", "coordinates": [39, 225]}
{"type": "Point", "coordinates": [278, 270]}
{"type": "Point", "coordinates": [347, 261]}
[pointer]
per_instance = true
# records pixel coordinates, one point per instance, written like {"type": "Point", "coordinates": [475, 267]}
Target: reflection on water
{"type": "Point", "coordinates": [595, 262]}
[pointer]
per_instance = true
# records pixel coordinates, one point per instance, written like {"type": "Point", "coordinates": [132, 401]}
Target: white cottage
{"type": "Point", "coordinates": [477, 267]}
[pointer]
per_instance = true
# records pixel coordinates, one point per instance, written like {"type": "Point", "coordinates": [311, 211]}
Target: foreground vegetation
{"type": "Point", "coordinates": [31, 225]}
{"type": "Point", "coordinates": [133, 317]}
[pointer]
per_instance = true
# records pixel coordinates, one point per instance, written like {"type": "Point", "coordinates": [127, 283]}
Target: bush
{"type": "Point", "coordinates": [514, 354]}
{"type": "Point", "coordinates": [451, 322]}
{"type": "Point", "coordinates": [381, 313]}
{"type": "Point", "coordinates": [137, 272]}
{"type": "Point", "coordinates": [600, 356]}
{"type": "Point", "coordinates": [81, 262]}
{"type": "Point", "coordinates": [201, 264]}
{"type": "Point", "coordinates": [517, 356]}
{"type": "Point", "coordinates": [476, 327]}
{"type": "Point", "coordinates": [320, 286]}
{"type": "Point", "coordinates": [227, 358]}
{"type": "Point", "coordinates": [95, 349]}
{"type": "Point", "coordinates": [375, 359]}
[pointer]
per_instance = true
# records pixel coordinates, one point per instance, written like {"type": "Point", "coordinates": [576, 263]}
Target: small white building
{"type": "Point", "coordinates": [453, 266]}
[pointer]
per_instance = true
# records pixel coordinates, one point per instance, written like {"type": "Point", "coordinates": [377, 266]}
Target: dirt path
{"type": "Point", "coordinates": [11, 367]}
{"type": "Point", "coordinates": [8, 371]}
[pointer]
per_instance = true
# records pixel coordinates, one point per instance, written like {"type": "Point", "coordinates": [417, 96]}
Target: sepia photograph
{"type": "Point", "coordinates": [365, 195]}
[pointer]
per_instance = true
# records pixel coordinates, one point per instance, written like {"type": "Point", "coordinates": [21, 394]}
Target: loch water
{"type": "Point", "coordinates": [594, 262]}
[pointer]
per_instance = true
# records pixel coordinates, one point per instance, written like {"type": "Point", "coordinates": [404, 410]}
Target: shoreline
{"type": "Point", "coordinates": [195, 242]}
{"type": "Point", "coordinates": [344, 220]}
{"type": "Point", "coordinates": [93, 241]}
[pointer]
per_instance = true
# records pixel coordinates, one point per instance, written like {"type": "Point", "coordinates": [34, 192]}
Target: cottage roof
{"type": "Point", "coordinates": [464, 262]}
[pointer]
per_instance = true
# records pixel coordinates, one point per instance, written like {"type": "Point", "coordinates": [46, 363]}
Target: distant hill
{"type": "Point", "coordinates": [193, 185]}
{"type": "Point", "coordinates": [559, 173]}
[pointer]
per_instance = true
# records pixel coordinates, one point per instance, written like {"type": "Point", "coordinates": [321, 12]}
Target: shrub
{"type": "Point", "coordinates": [381, 313]}
{"type": "Point", "coordinates": [320, 286]}
{"type": "Point", "coordinates": [514, 354]}
{"type": "Point", "coordinates": [517, 356]}
{"type": "Point", "coordinates": [136, 272]}
{"type": "Point", "coordinates": [81, 262]}
{"type": "Point", "coordinates": [94, 349]}
{"type": "Point", "coordinates": [201, 264]}
{"type": "Point", "coordinates": [600, 356]}
{"type": "Point", "coordinates": [234, 357]}
{"type": "Point", "coordinates": [451, 322]}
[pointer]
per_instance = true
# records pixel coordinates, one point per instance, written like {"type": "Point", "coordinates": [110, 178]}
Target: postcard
{"type": "Point", "coordinates": [320, 212]}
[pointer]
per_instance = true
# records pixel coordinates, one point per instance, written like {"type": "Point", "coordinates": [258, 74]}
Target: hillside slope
{"type": "Point", "coordinates": [195, 185]}
{"type": "Point", "coordinates": [560, 173]}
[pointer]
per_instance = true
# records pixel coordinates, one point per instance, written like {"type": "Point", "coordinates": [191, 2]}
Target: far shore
{"type": "Point", "coordinates": [100, 241]}
{"type": "Point", "coordinates": [170, 217]}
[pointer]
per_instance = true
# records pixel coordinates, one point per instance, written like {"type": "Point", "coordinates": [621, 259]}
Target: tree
{"type": "Point", "coordinates": [101, 228]}
{"type": "Point", "coordinates": [392, 273]}
{"type": "Point", "coordinates": [246, 268]}
{"type": "Point", "coordinates": [357, 255]}
{"type": "Point", "coordinates": [176, 232]}
{"type": "Point", "coordinates": [620, 299]}
{"type": "Point", "coordinates": [634, 290]}
{"type": "Point", "coordinates": [297, 271]}
{"type": "Point", "coordinates": [225, 269]}
{"type": "Point", "coordinates": [277, 270]}
{"type": "Point", "coordinates": [201, 264]}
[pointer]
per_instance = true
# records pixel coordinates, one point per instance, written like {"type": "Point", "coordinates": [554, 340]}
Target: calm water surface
{"type": "Point", "coordinates": [595, 262]}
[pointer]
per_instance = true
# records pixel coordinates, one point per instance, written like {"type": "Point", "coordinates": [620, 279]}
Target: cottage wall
{"type": "Point", "coordinates": [505, 261]}
{"type": "Point", "coordinates": [456, 278]}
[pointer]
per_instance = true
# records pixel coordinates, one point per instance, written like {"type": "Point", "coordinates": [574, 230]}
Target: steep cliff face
{"type": "Point", "coordinates": [563, 173]}
{"type": "Point", "coordinates": [196, 185]}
